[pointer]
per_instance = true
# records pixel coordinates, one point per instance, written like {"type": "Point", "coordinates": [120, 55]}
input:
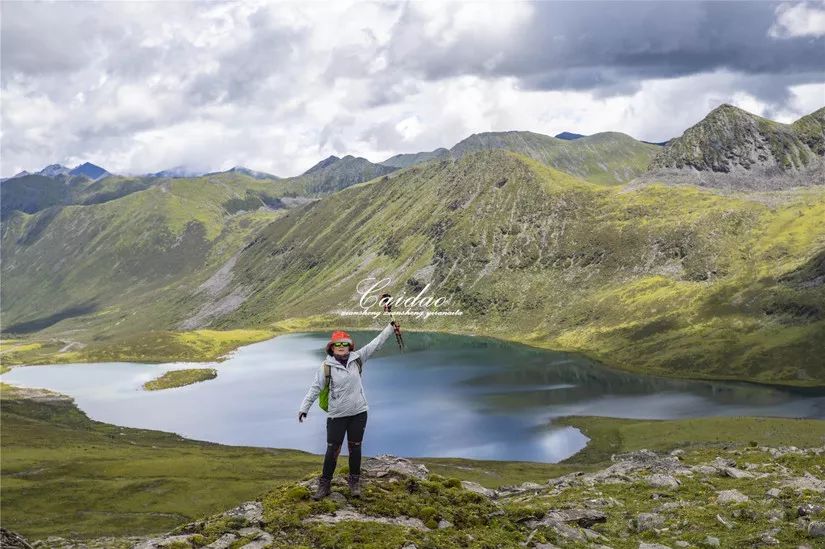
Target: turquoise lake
{"type": "Point", "coordinates": [445, 395]}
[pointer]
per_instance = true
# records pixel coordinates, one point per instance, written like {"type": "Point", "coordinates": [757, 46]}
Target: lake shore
{"type": "Point", "coordinates": [217, 345]}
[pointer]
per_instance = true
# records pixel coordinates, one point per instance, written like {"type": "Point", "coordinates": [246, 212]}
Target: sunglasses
{"type": "Point", "coordinates": [340, 344]}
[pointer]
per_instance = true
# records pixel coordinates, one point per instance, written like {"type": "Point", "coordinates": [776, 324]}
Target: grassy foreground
{"type": "Point", "coordinates": [179, 378]}
{"type": "Point", "coordinates": [64, 474]}
{"type": "Point", "coordinates": [712, 497]}
{"type": "Point", "coordinates": [616, 435]}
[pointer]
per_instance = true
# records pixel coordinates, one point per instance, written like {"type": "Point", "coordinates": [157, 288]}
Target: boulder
{"type": "Point", "coordinates": [349, 514]}
{"type": "Point", "coordinates": [659, 480]}
{"type": "Point", "coordinates": [223, 542]}
{"type": "Point", "coordinates": [478, 489]}
{"type": "Point", "coordinates": [251, 511]}
{"type": "Point", "coordinates": [807, 482]}
{"type": "Point", "coordinates": [816, 529]}
{"type": "Point", "coordinates": [647, 521]}
{"type": "Point", "coordinates": [386, 464]}
{"type": "Point", "coordinates": [731, 496]}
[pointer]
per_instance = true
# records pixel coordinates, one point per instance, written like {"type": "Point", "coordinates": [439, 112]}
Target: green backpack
{"type": "Point", "coordinates": [323, 397]}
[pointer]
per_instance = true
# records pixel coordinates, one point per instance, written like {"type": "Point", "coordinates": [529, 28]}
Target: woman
{"type": "Point", "coordinates": [347, 409]}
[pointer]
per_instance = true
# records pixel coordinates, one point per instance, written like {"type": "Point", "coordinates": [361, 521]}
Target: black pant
{"type": "Point", "coordinates": [354, 427]}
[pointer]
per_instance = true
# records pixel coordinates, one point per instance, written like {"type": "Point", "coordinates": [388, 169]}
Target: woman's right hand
{"type": "Point", "coordinates": [301, 416]}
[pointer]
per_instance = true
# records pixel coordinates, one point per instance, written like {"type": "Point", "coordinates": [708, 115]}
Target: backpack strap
{"type": "Point", "coordinates": [360, 365]}
{"type": "Point", "coordinates": [327, 373]}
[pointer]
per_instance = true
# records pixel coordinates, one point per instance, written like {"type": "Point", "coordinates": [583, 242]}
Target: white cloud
{"type": "Point", "coordinates": [276, 87]}
{"type": "Point", "coordinates": [446, 24]}
{"type": "Point", "coordinates": [409, 128]}
{"type": "Point", "coordinates": [799, 19]}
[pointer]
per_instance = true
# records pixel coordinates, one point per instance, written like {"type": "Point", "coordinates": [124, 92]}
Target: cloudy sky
{"type": "Point", "coordinates": [142, 86]}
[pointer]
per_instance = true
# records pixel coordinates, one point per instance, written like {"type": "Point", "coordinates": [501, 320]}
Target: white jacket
{"type": "Point", "coordinates": [346, 393]}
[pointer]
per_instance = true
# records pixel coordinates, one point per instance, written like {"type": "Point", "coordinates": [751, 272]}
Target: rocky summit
{"type": "Point", "coordinates": [754, 496]}
{"type": "Point", "coordinates": [732, 148]}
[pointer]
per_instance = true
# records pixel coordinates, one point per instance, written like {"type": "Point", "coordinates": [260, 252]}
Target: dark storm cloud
{"type": "Point", "coordinates": [611, 45]}
{"type": "Point", "coordinates": [56, 39]}
{"type": "Point", "coordinates": [37, 41]}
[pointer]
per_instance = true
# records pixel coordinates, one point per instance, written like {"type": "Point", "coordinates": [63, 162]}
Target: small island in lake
{"type": "Point", "coordinates": [179, 378]}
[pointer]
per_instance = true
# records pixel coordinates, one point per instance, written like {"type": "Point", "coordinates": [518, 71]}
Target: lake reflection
{"type": "Point", "coordinates": [446, 395]}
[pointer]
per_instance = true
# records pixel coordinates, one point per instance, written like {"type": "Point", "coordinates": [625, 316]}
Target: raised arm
{"type": "Point", "coordinates": [314, 390]}
{"type": "Point", "coordinates": [366, 351]}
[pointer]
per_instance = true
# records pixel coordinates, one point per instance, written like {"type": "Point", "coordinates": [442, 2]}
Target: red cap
{"type": "Point", "coordinates": [340, 335]}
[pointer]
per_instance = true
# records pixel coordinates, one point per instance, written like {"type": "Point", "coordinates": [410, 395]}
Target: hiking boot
{"type": "Point", "coordinates": [323, 488]}
{"type": "Point", "coordinates": [354, 482]}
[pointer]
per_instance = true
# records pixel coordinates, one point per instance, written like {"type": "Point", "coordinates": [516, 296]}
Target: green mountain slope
{"type": "Point", "coordinates": [608, 157]}
{"type": "Point", "coordinates": [733, 148]}
{"type": "Point", "coordinates": [31, 193]}
{"type": "Point", "coordinates": [332, 174]}
{"type": "Point", "coordinates": [677, 281]}
{"type": "Point", "coordinates": [109, 262]}
{"type": "Point", "coordinates": [670, 280]}
{"type": "Point", "coordinates": [128, 248]}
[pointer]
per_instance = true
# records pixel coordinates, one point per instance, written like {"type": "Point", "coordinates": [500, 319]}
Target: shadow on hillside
{"type": "Point", "coordinates": [46, 321]}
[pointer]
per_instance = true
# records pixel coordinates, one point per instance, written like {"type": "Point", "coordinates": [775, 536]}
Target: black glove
{"type": "Point", "coordinates": [301, 416]}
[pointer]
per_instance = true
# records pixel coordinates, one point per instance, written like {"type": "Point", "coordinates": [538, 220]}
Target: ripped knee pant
{"type": "Point", "coordinates": [336, 448]}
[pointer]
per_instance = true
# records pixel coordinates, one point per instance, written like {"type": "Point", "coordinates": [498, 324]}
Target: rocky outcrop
{"type": "Point", "coordinates": [734, 149]}
{"type": "Point", "coordinates": [349, 514]}
{"type": "Point", "coordinates": [12, 540]}
{"type": "Point", "coordinates": [703, 498]}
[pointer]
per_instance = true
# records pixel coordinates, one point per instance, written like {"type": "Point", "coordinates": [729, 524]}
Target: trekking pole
{"type": "Point", "coordinates": [388, 309]}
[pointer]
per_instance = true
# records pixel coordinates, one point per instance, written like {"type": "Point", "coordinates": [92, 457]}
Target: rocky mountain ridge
{"type": "Point", "coordinates": [734, 149]}
{"type": "Point", "coordinates": [605, 157]}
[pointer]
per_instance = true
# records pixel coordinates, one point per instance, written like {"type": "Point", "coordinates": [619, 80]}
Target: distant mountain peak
{"type": "Point", "coordinates": [18, 174]}
{"type": "Point", "coordinates": [728, 107]}
{"type": "Point", "coordinates": [249, 172]}
{"type": "Point", "coordinates": [53, 170]}
{"type": "Point", "coordinates": [177, 171]}
{"type": "Point", "coordinates": [569, 136]}
{"type": "Point", "coordinates": [89, 170]}
{"type": "Point", "coordinates": [326, 162]}
{"type": "Point", "coordinates": [345, 163]}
